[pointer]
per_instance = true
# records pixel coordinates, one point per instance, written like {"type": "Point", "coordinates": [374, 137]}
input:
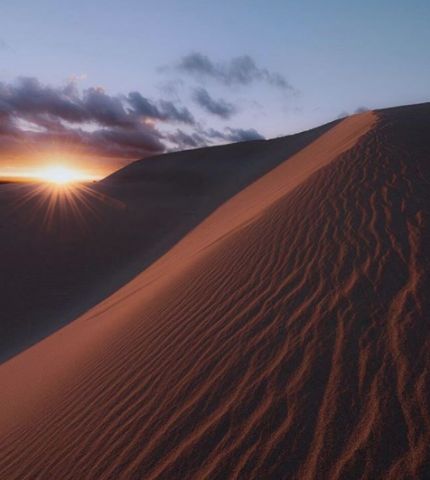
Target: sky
{"type": "Point", "coordinates": [101, 83]}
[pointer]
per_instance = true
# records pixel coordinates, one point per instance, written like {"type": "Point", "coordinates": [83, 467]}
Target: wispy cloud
{"type": "Point", "coordinates": [361, 110]}
{"type": "Point", "coordinates": [218, 107]}
{"type": "Point", "coordinates": [241, 70]}
{"type": "Point", "coordinates": [201, 137]}
{"type": "Point", "coordinates": [184, 140]}
{"type": "Point", "coordinates": [165, 111]}
{"type": "Point", "coordinates": [234, 134]}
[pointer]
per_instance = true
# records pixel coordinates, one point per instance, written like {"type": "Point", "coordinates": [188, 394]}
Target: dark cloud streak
{"type": "Point", "coordinates": [240, 70]}
{"type": "Point", "coordinates": [220, 107]}
{"type": "Point", "coordinates": [167, 111]}
{"type": "Point", "coordinates": [234, 134]}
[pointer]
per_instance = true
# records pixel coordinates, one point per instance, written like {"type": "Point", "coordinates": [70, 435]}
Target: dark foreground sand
{"type": "Point", "coordinates": [287, 336]}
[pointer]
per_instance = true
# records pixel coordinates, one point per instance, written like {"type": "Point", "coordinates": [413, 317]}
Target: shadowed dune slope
{"type": "Point", "coordinates": [286, 336]}
{"type": "Point", "coordinates": [63, 252]}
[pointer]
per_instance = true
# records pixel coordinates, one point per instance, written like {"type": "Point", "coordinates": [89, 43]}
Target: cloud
{"type": "Point", "coordinates": [142, 105]}
{"type": "Point", "coordinates": [99, 123]}
{"type": "Point", "coordinates": [28, 97]}
{"type": "Point", "coordinates": [34, 115]}
{"type": "Point", "coordinates": [204, 138]}
{"type": "Point", "coordinates": [113, 142]}
{"type": "Point", "coordinates": [243, 135]}
{"type": "Point", "coordinates": [183, 140]}
{"type": "Point", "coordinates": [234, 134]}
{"type": "Point", "coordinates": [119, 142]}
{"type": "Point", "coordinates": [220, 107]}
{"type": "Point", "coordinates": [166, 111]}
{"type": "Point", "coordinates": [3, 44]}
{"type": "Point", "coordinates": [240, 70]}
{"type": "Point", "coordinates": [105, 109]}
{"type": "Point", "coordinates": [170, 112]}
{"type": "Point", "coordinates": [361, 110]}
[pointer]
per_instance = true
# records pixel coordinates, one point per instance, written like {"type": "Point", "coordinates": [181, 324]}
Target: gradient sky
{"type": "Point", "coordinates": [334, 57]}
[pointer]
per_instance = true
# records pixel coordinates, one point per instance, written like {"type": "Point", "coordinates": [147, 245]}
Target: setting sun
{"type": "Point", "coordinates": [61, 175]}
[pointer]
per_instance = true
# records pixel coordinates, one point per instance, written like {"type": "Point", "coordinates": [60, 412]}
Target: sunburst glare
{"type": "Point", "coordinates": [60, 175]}
{"type": "Point", "coordinates": [63, 203]}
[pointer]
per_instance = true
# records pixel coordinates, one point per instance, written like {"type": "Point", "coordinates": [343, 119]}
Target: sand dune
{"type": "Point", "coordinates": [63, 252]}
{"type": "Point", "coordinates": [286, 336]}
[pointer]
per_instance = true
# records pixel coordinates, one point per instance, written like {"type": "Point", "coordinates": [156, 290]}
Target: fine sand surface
{"type": "Point", "coordinates": [63, 251]}
{"type": "Point", "coordinates": [286, 336]}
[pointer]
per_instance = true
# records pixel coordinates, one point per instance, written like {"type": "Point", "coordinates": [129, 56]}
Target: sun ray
{"type": "Point", "coordinates": [60, 199]}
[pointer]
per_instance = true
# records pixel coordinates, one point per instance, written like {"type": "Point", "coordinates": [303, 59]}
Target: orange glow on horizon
{"type": "Point", "coordinates": [61, 175]}
{"type": "Point", "coordinates": [56, 166]}
{"type": "Point", "coordinates": [56, 174]}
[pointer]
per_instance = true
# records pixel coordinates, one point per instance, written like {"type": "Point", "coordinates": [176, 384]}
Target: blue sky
{"type": "Point", "coordinates": [336, 55]}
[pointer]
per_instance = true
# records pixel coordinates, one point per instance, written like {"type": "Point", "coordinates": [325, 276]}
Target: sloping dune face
{"type": "Point", "coordinates": [285, 337]}
{"type": "Point", "coordinates": [63, 252]}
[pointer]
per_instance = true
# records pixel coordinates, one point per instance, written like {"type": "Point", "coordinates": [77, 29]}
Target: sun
{"type": "Point", "coordinates": [60, 175]}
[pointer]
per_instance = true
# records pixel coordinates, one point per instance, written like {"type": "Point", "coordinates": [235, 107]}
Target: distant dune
{"type": "Point", "coordinates": [286, 336]}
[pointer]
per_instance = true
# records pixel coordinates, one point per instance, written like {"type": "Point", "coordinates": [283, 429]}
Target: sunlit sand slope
{"type": "Point", "coordinates": [285, 337]}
